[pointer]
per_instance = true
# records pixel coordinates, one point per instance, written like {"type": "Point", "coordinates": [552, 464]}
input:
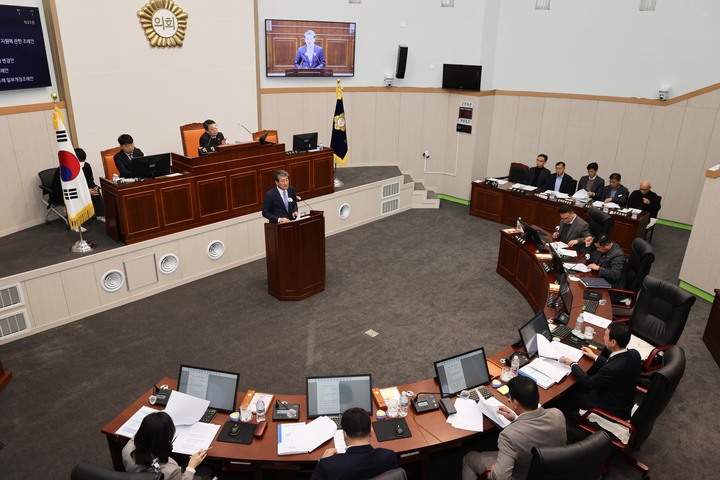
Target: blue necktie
{"type": "Point", "coordinates": [285, 199]}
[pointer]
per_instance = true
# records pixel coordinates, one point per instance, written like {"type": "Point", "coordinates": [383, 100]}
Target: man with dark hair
{"type": "Point", "coordinates": [591, 183]}
{"type": "Point", "coordinates": [531, 426]}
{"type": "Point", "coordinates": [612, 387]}
{"type": "Point", "coordinates": [572, 229]}
{"type": "Point", "coordinates": [645, 199]}
{"type": "Point", "coordinates": [212, 137]}
{"type": "Point", "coordinates": [123, 159]}
{"type": "Point", "coordinates": [360, 461]}
{"type": "Point", "coordinates": [537, 176]}
{"type": "Point", "coordinates": [560, 181]}
{"type": "Point", "coordinates": [608, 260]}
{"type": "Point", "coordinates": [280, 203]}
{"type": "Point", "coordinates": [615, 192]}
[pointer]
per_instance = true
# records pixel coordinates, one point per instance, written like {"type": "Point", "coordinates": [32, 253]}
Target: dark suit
{"type": "Point", "coordinates": [317, 60]}
{"type": "Point", "coordinates": [123, 163]}
{"type": "Point", "coordinates": [612, 265]}
{"type": "Point", "coordinates": [274, 207]}
{"type": "Point", "coordinates": [566, 185]}
{"type": "Point", "coordinates": [542, 176]}
{"type": "Point", "coordinates": [597, 186]}
{"type": "Point", "coordinates": [357, 463]}
{"type": "Point", "coordinates": [621, 195]}
{"type": "Point", "coordinates": [612, 388]}
{"type": "Point", "coordinates": [207, 141]}
{"type": "Point", "coordinates": [577, 230]}
{"type": "Point", "coordinates": [635, 200]}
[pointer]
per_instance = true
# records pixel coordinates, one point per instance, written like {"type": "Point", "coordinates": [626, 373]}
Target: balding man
{"type": "Point", "coordinates": [645, 199]}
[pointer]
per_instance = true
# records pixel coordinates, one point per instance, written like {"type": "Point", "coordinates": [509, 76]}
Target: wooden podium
{"type": "Point", "coordinates": [295, 256]}
{"type": "Point", "coordinates": [6, 376]}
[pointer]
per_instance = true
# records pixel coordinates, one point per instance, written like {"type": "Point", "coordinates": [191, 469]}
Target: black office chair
{"type": "Point", "coordinates": [661, 312]}
{"type": "Point", "coordinates": [394, 474]}
{"type": "Point", "coordinates": [662, 386]}
{"type": "Point", "coordinates": [584, 460]}
{"type": "Point", "coordinates": [650, 229]}
{"type": "Point", "coordinates": [50, 196]}
{"type": "Point", "coordinates": [90, 471]}
{"type": "Point", "coordinates": [600, 222]}
{"type": "Point", "coordinates": [518, 173]}
{"type": "Point", "coordinates": [642, 256]}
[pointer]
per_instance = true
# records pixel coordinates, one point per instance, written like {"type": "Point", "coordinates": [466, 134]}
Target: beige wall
{"type": "Point", "coordinates": [671, 144]}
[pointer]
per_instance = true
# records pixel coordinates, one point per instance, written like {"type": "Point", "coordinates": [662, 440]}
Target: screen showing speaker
{"type": "Point", "coordinates": [23, 59]}
{"type": "Point", "coordinates": [461, 77]}
{"type": "Point", "coordinates": [308, 48]}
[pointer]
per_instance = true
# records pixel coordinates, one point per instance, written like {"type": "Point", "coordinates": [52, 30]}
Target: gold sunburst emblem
{"type": "Point", "coordinates": [340, 122]}
{"type": "Point", "coordinates": [164, 23]}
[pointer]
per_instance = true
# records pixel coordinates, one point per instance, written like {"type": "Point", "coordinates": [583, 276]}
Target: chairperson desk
{"type": "Point", "coordinates": [430, 431]}
{"type": "Point", "coordinates": [222, 185]}
{"type": "Point", "coordinates": [502, 205]}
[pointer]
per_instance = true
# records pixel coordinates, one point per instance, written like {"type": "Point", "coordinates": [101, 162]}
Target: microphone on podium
{"type": "Point", "coordinates": [306, 204]}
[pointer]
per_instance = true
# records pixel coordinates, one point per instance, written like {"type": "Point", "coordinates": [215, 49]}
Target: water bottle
{"type": "Point", "coordinates": [260, 409]}
{"type": "Point", "coordinates": [579, 323]}
{"type": "Point", "coordinates": [515, 366]}
{"type": "Point", "coordinates": [116, 178]}
{"type": "Point", "coordinates": [320, 146]}
{"type": "Point", "coordinates": [403, 409]}
{"type": "Point", "coordinates": [518, 225]}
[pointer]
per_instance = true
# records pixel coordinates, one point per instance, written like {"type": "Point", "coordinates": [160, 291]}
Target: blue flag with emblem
{"type": "Point", "coordinates": [338, 140]}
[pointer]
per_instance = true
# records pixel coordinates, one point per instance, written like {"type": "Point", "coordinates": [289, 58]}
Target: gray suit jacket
{"type": "Point", "coordinates": [539, 428]}
{"type": "Point", "coordinates": [613, 265]}
{"type": "Point", "coordinates": [578, 230]}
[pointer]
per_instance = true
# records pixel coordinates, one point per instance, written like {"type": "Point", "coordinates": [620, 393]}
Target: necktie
{"type": "Point", "coordinates": [285, 199]}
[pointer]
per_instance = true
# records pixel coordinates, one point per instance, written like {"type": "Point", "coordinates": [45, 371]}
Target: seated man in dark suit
{"type": "Point", "coordinates": [608, 260]}
{"type": "Point", "coordinates": [531, 426]}
{"type": "Point", "coordinates": [123, 159]}
{"type": "Point", "coordinates": [615, 192]}
{"type": "Point", "coordinates": [612, 387]}
{"type": "Point", "coordinates": [560, 181]}
{"type": "Point", "coordinates": [645, 199]}
{"type": "Point", "coordinates": [280, 203]}
{"type": "Point", "coordinates": [537, 176]}
{"type": "Point", "coordinates": [572, 229]}
{"type": "Point", "coordinates": [360, 461]}
{"type": "Point", "coordinates": [591, 183]}
{"type": "Point", "coordinates": [212, 137]}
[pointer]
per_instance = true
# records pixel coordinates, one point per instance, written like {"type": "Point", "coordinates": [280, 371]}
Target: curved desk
{"type": "Point", "coordinates": [430, 431]}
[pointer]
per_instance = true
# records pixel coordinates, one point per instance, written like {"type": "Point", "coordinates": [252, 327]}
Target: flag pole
{"type": "Point", "coordinates": [339, 136]}
{"type": "Point", "coordinates": [82, 245]}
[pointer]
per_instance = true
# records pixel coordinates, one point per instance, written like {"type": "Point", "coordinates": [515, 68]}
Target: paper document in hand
{"type": "Point", "coordinates": [185, 409]}
{"type": "Point", "coordinates": [577, 267]}
{"type": "Point", "coordinates": [580, 194]}
{"type": "Point", "coordinates": [565, 252]}
{"type": "Point", "coordinates": [555, 350]}
{"type": "Point", "coordinates": [130, 428]}
{"type": "Point", "coordinates": [596, 320]}
{"type": "Point", "coordinates": [295, 438]}
{"type": "Point", "coordinates": [489, 408]}
{"type": "Point", "coordinates": [643, 347]}
{"type": "Point", "coordinates": [557, 245]}
{"type": "Point", "coordinates": [339, 441]}
{"type": "Point", "coordinates": [468, 416]}
{"type": "Point", "coordinates": [189, 439]}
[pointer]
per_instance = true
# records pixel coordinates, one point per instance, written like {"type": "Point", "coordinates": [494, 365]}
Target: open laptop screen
{"type": "Point", "coordinates": [537, 324]}
{"type": "Point", "coordinates": [566, 294]}
{"type": "Point", "coordinates": [334, 395]}
{"type": "Point", "coordinates": [462, 372]}
{"type": "Point", "coordinates": [217, 386]}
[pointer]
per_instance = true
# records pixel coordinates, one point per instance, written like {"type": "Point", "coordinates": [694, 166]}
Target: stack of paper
{"type": "Point", "coordinates": [542, 372]}
{"type": "Point", "coordinates": [489, 408]}
{"type": "Point", "coordinates": [296, 438]}
{"type": "Point", "coordinates": [555, 350]}
{"type": "Point", "coordinates": [596, 320]}
{"type": "Point", "coordinates": [468, 416]}
{"type": "Point", "coordinates": [577, 267]}
{"type": "Point", "coordinates": [581, 194]}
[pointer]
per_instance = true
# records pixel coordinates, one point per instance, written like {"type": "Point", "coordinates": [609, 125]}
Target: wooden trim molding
{"type": "Point", "coordinates": [35, 107]}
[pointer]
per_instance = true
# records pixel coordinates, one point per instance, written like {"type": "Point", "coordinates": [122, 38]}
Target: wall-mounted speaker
{"type": "Point", "coordinates": [401, 61]}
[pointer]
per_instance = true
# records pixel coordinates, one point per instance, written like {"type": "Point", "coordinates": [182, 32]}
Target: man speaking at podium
{"type": "Point", "coordinates": [280, 204]}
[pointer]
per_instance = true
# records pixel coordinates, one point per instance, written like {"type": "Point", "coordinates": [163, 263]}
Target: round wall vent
{"type": "Point", "coordinates": [344, 211]}
{"type": "Point", "coordinates": [113, 280]}
{"type": "Point", "coordinates": [168, 263]}
{"type": "Point", "coordinates": [216, 249]}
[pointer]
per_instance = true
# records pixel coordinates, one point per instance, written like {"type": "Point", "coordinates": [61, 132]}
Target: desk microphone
{"type": "Point", "coordinates": [306, 203]}
{"type": "Point", "coordinates": [243, 126]}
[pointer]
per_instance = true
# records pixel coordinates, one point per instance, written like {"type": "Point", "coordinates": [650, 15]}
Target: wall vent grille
{"type": "Point", "coordinates": [389, 206]}
{"type": "Point", "coordinates": [10, 297]}
{"type": "Point", "coordinates": [390, 189]}
{"type": "Point", "coordinates": [13, 324]}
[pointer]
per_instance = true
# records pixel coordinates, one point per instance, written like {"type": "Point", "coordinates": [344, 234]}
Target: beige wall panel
{"type": "Point", "coordinates": [256, 235]}
{"type": "Point", "coordinates": [660, 150]}
{"type": "Point", "coordinates": [47, 299]}
{"type": "Point", "coordinates": [633, 141]}
{"type": "Point", "coordinates": [101, 268]}
{"type": "Point", "coordinates": [80, 289]}
{"type": "Point", "coordinates": [270, 112]}
{"type": "Point", "coordinates": [606, 135]}
{"type": "Point", "coordinates": [238, 243]}
{"type": "Point", "coordinates": [387, 128]}
{"type": "Point", "coordinates": [713, 153]}
{"type": "Point", "coordinates": [527, 133]}
{"type": "Point", "coordinates": [709, 100]}
{"type": "Point", "coordinates": [316, 117]}
{"type": "Point", "coordinates": [290, 117]}
{"type": "Point", "coordinates": [556, 115]}
{"type": "Point", "coordinates": [696, 269]}
{"type": "Point", "coordinates": [210, 237]}
{"type": "Point", "coordinates": [686, 174]}
{"type": "Point", "coordinates": [502, 134]}
{"type": "Point", "coordinates": [412, 111]}
{"type": "Point", "coordinates": [160, 251]}
{"type": "Point", "coordinates": [482, 126]}
{"type": "Point", "coordinates": [192, 255]}
{"type": "Point", "coordinates": [363, 129]}
{"type": "Point", "coordinates": [460, 150]}
{"type": "Point", "coordinates": [581, 125]}
{"type": "Point", "coordinates": [14, 210]}
{"type": "Point", "coordinates": [435, 139]}
{"type": "Point", "coordinates": [141, 271]}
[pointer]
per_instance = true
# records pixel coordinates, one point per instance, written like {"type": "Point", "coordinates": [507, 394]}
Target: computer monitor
{"type": "Point", "coordinates": [215, 385]}
{"type": "Point", "coordinates": [151, 166]}
{"type": "Point", "coordinates": [566, 294]}
{"type": "Point", "coordinates": [334, 395]}
{"type": "Point", "coordinates": [462, 372]}
{"type": "Point", "coordinates": [528, 332]}
{"type": "Point", "coordinates": [534, 235]}
{"type": "Point", "coordinates": [557, 261]}
{"type": "Point", "coordinates": [302, 142]}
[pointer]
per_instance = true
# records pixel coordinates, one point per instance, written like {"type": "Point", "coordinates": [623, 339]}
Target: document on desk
{"type": "Point", "coordinates": [567, 252]}
{"type": "Point", "coordinates": [557, 245]}
{"type": "Point", "coordinates": [185, 409]}
{"type": "Point", "coordinates": [544, 372]}
{"type": "Point", "coordinates": [581, 194]}
{"type": "Point", "coordinates": [489, 408]}
{"type": "Point", "coordinates": [555, 350]}
{"type": "Point", "coordinates": [596, 320]}
{"type": "Point", "coordinates": [499, 182]}
{"type": "Point", "coordinates": [643, 347]}
{"type": "Point", "coordinates": [130, 428]}
{"type": "Point", "coordinates": [189, 439]}
{"type": "Point", "coordinates": [576, 267]}
{"type": "Point", "coordinates": [468, 417]}
{"type": "Point", "coordinates": [297, 438]}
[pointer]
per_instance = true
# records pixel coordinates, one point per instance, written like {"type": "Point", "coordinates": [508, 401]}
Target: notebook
{"type": "Point", "coordinates": [591, 282]}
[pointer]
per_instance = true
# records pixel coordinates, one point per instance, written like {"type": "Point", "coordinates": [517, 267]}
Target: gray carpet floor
{"type": "Point", "coordinates": [424, 279]}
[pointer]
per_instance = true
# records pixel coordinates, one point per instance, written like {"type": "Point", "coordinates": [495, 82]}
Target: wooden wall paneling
{"type": "Point", "coordinates": [633, 142]}
{"type": "Point", "coordinates": [436, 134]}
{"type": "Point", "coordinates": [660, 150]}
{"type": "Point", "coordinates": [709, 100]}
{"type": "Point", "coordinates": [322, 173]}
{"type": "Point", "coordinates": [139, 219]}
{"type": "Point", "coordinates": [244, 190]}
{"type": "Point", "coordinates": [269, 109]}
{"type": "Point", "coordinates": [339, 54]}
{"type": "Point", "coordinates": [282, 54]}
{"type": "Point", "coordinates": [178, 204]}
{"type": "Point", "coordinates": [556, 114]}
{"type": "Point", "coordinates": [527, 133]}
{"type": "Point", "coordinates": [502, 135]}
{"type": "Point", "coordinates": [581, 124]}
{"type": "Point", "coordinates": [482, 127]}
{"type": "Point", "coordinates": [486, 202]}
{"type": "Point", "coordinates": [212, 193]}
{"type": "Point", "coordinates": [606, 135]}
{"type": "Point", "coordinates": [290, 117]}
{"type": "Point", "coordinates": [300, 172]}
{"type": "Point", "coordinates": [317, 118]}
{"type": "Point", "coordinates": [387, 129]}
{"type": "Point", "coordinates": [412, 110]}
{"type": "Point", "coordinates": [14, 210]}
{"type": "Point", "coordinates": [363, 133]}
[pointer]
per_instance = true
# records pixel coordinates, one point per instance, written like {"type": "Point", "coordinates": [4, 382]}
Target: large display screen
{"type": "Point", "coordinates": [23, 59]}
{"type": "Point", "coordinates": [305, 48]}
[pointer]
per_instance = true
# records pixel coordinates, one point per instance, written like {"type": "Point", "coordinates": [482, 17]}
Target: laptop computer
{"type": "Point", "coordinates": [537, 324]}
{"type": "Point", "coordinates": [218, 386]}
{"type": "Point", "coordinates": [466, 371]}
{"type": "Point", "coordinates": [331, 396]}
